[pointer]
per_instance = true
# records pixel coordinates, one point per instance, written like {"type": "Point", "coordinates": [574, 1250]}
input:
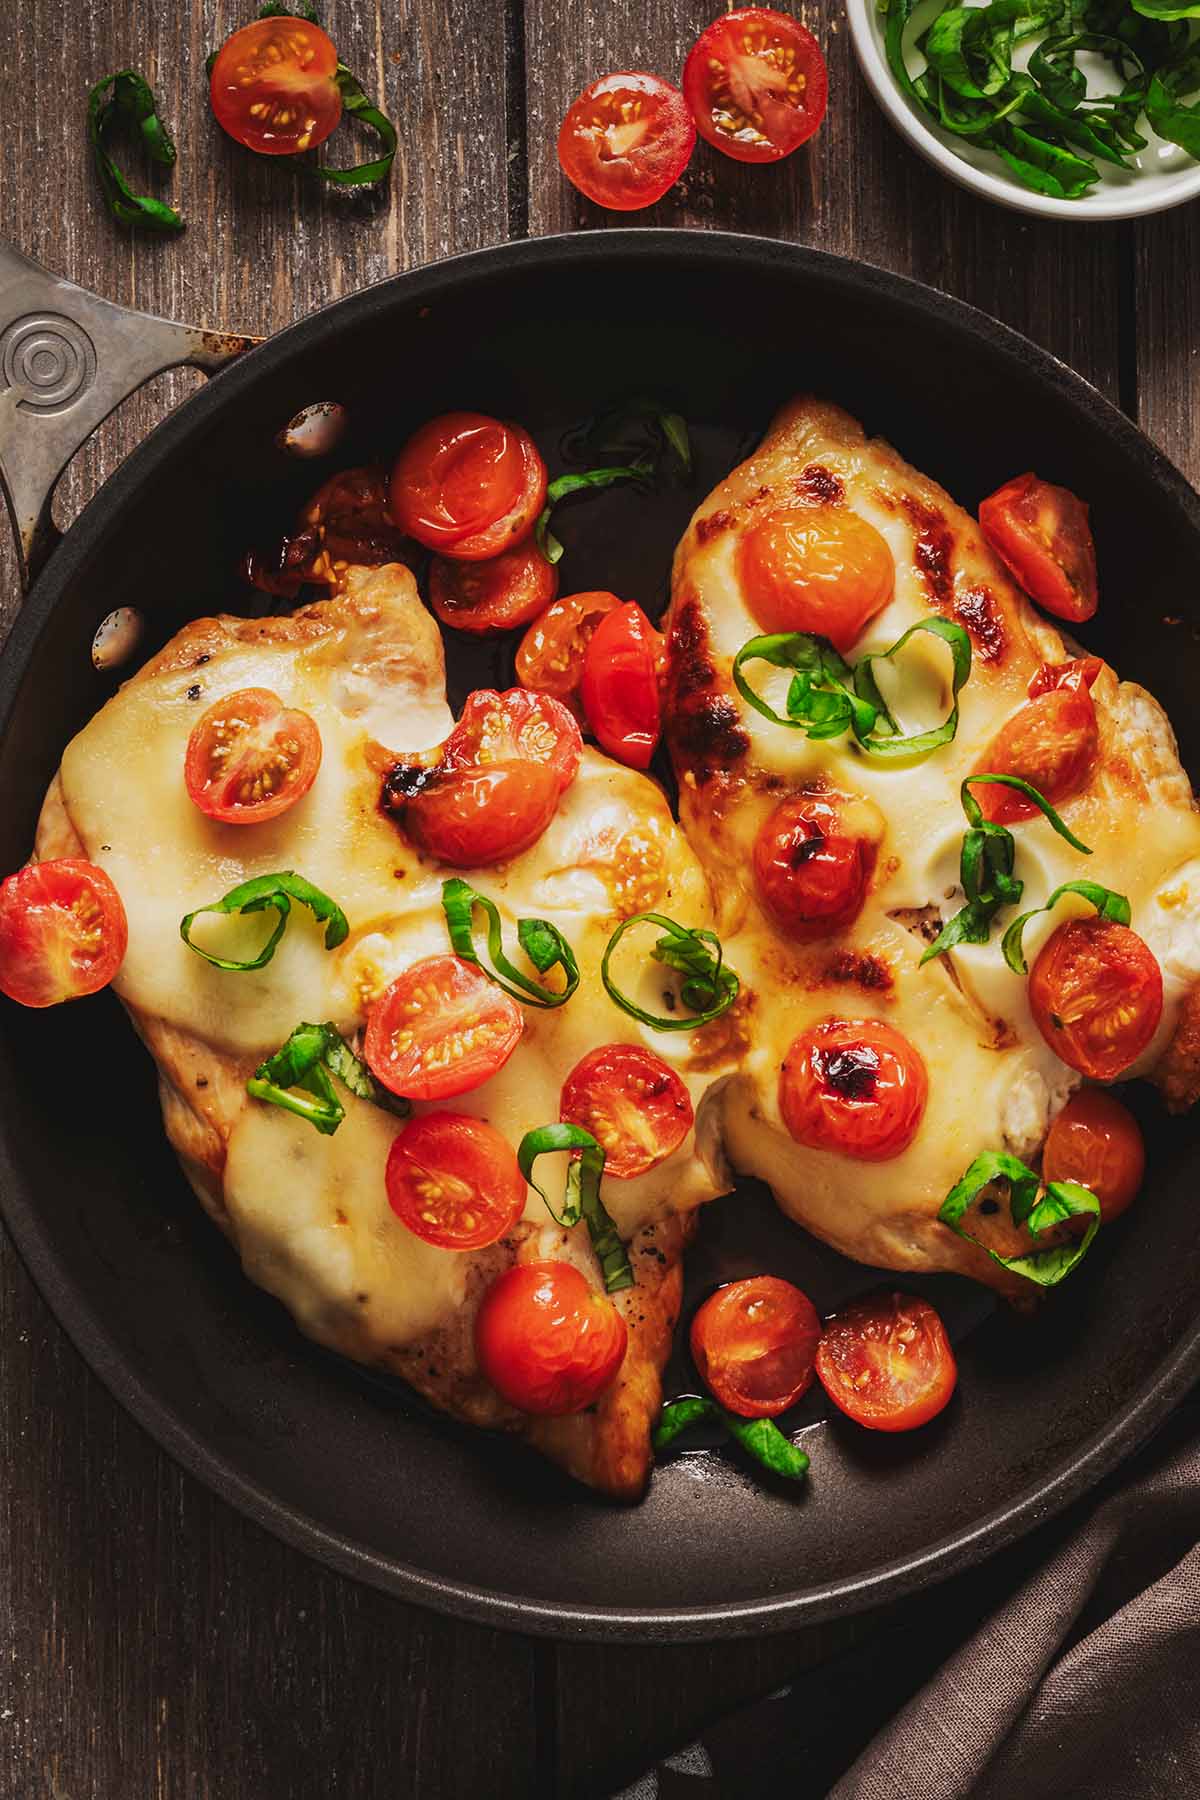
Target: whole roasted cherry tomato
{"type": "Point", "coordinates": [886, 1362]}
{"type": "Point", "coordinates": [440, 1029]}
{"type": "Point", "coordinates": [811, 873]}
{"type": "Point", "coordinates": [547, 1341]}
{"type": "Point", "coordinates": [756, 84]}
{"type": "Point", "coordinates": [820, 569]}
{"type": "Point", "coordinates": [632, 1102]}
{"type": "Point", "coordinates": [454, 1181]}
{"type": "Point", "coordinates": [273, 86]}
{"type": "Point", "coordinates": [502, 772]}
{"type": "Point", "coordinates": [626, 140]}
{"type": "Point", "coordinates": [1042, 533]}
{"type": "Point", "coordinates": [551, 654]}
{"type": "Point", "coordinates": [1052, 742]}
{"type": "Point", "coordinates": [250, 757]}
{"type": "Point", "coordinates": [854, 1086]}
{"type": "Point", "coordinates": [1097, 1142]}
{"type": "Point", "coordinates": [497, 595]}
{"type": "Point", "coordinates": [1096, 994]}
{"type": "Point", "coordinates": [620, 685]}
{"type": "Point", "coordinates": [63, 931]}
{"type": "Point", "coordinates": [754, 1343]}
{"type": "Point", "coordinates": [468, 486]}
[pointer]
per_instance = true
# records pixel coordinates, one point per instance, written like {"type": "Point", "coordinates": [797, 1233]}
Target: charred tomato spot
{"type": "Point", "coordinates": [850, 1073]}
{"type": "Point", "coordinates": [402, 783]}
{"type": "Point", "coordinates": [806, 849]}
{"type": "Point", "coordinates": [820, 485]}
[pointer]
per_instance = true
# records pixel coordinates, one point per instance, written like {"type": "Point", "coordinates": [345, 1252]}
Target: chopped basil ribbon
{"type": "Point", "coordinates": [130, 104]}
{"type": "Point", "coordinates": [354, 104]}
{"type": "Point", "coordinates": [708, 988]}
{"type": "Point", "coordinates": [761, 1438]}
{"type": "Point", "coordinates": [1061, 1200]}
{"type": "Point", "coordinates": [582, 1200]}
{"type": "Point", "coordinates": [303, 1063]}
{"type": "Point", "coordinates": [986, 866]}
{"type": "Point", "coordinates": [558, 490]}
{"type": "Point", "coordinates": [828, 697]}
{"type": "Point", "coordinates": [543, 943]}
{"type": "Point", "coordinates": [277, 893]}
{"type": "Point", "coordinates": [1108, 905]}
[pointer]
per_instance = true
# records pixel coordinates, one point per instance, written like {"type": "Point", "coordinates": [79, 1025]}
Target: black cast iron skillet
{"type": "Point", "coordinates": [347, 1466]}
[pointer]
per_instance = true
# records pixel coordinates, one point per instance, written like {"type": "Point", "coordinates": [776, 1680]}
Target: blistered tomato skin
{"type": "Point", "coordinates": [812, 876]}
{"type": "Point", "coordinates": [551, 656]}
{"type": "Point", "coordinates": [855, 1087]}
{"type": "Point", "coordinates": [495, 595]}
{"type": "Point", "coordinates": [1041, 532]}
{"type": "Point", "coordinates": [620, 685]}
{"type": "Point", "coordinates": [63, 932]}
{"type": "Point", "coordinates": [819, 569]}
{"type": "Point", "coordinates": [468, 486]}
{"type": "Point", "coordinates": [1096, 1141]}
{"type": "Point", "coordinates": [626, 140]}
{"type": "Point", "coordinates": [886, 1362]}
{"type": "Point", "coordinates": [548, 1343]}
{"type": "Point", "coordinates": [754, 1343]}
{"type": "Point", "coordinates": [1096, 995]}
{"type": "Point", "coordinates": [1052, 742]}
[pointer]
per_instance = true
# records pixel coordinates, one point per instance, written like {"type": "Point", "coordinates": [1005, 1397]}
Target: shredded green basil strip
{"type": "Point", "coordinates": [1108, 904]}
{"type": "Point", "coordinates": [986, 865]}
{"type": "Point", "coordinates": [582, 1199]}
{"type": "Point", "coordinates": [1061, 1200]}
{"type": "Point", "coordinates": [275, 892]}
{"type": "Point", "coordinates": [761, 1438]}
{"type": "Point", "coordinates": [622, 431]}
{"type": "Point", "coordinates": [304, 1063]}
{"type": "Point", "coordinates": [356, 105]}
{"type": "Point", "coordinates": [709, 988]}
{"type": "Point", "coordinates": [828, 697]}
{"type": "Point", "coordinates": [130, 103]}
{"type": "Point", "coordinates": [558, 489]}
{"type": "Point", "coordinates": [543, 943]}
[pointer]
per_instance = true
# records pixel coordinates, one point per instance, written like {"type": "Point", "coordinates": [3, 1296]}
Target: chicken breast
{"type": "Point", "coordinates": [994, 1083]}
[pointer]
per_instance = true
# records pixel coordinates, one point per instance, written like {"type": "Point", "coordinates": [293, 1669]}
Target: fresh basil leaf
{"type": "Point", "coordinates": [1044, 166]}
{"type": "Point", "coordinates": [760, 1438]}
{"type": "Point", "coordinates": [897, 14]}
{"type": "Point", "coordinates": [1061, 1200]}
{"type": "Point", "coordinates": [821, 701]}
{"type": "Point", "coordinates": [922, 743]}
{"type": "Point", "coordinates": [971, 807]}
{"type": "Point", "coordinates": [582, 1199]}
{"type": "Point", "coordinates": [1167, 9]}
{"type": "Point", "coordinates": [709, 987]}
{"type": "Point", "coordinates": [543, 943]}
{"type": "Point", "coordinates": [636, 429]}
{"type": "Point", "coordinates": [1171, 119]}
{"type": "Point", "coordinates": [276, 893]}
{"type": "Point", "coordinates": [126, 99]}
{"type": "Point", "coordinates": [303, 1063]}
{"type": "Point", "coordinates": [1108, 905]}
{"type": "Point", "coordinates": [564, 485]}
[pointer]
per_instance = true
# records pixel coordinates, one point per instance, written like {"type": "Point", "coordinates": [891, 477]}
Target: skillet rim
{"type": "Point", "coordinates": [887, 1581]}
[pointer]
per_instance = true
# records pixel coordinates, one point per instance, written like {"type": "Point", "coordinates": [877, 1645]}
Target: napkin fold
{"type": "Point", "coordinates": [1067, 1666]}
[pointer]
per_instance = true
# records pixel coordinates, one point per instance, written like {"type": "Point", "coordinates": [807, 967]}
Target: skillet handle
{"type": "Point", "coordinates": [67, 359]}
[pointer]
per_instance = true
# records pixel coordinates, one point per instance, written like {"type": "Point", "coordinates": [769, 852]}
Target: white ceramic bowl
{"type": "Point", "coordinates": [1164, 175]}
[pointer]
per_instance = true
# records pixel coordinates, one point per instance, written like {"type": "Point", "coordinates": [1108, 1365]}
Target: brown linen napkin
{"type": "Point", "coordinates": [1081, 1681]}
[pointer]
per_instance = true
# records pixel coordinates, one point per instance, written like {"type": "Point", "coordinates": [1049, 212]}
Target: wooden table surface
{"type": "Point", "coordinates": [153, 1644]}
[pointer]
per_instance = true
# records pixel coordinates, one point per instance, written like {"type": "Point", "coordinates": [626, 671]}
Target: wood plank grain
{"type": "Point", "coordinates": [856, 188]}
{"type": "Point", "coordinates": [1167, 292]}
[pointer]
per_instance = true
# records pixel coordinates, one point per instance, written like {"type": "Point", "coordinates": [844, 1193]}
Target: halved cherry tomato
{"type": "Point", "coordinates": [468, 486]}
{"type": "Point", "coordinates": [812, 875]}
{"type": "Point", "coordinates": [503, 770]}
{"type": "Point", "coordinates": [547, 1341]}
{"type": "Point", "coordinates": [620, 685]}
{"type": "Point", "coordinates": [756, 84]}
{"type": "Point", "coordinates": [632, 1102]}
{"type": "Point", "coordinates": [754, 1343]}
{"type": "Point", "coordinates": [1051, 742]}
{"type": "Point", "coordinates": [1098, 1142]}
{"type": "Point", "coordinates": [626, 140]}
{"type": "Point", "coordinates": [854, 1086]}
{"type": "Point", "coordinates": [816, 568]}
{"type": "Point", "coordinates": [272, 86]}
{"type": "Point", "coordinates": [496, 595]}
{"type": "Point", "coordinates": [454, 1181]}
{"type": "Point", "coordinates": [440, 1029]}
{"type": "Point", "coordinates": [63, 931]}
{"type": "Point", "coordinates": [250, 757]}
{"type": "Point", "coordinates": [1096, 994]}
{"type": "Point", "coordinates": [551, 654]}
{"type": "Point", "coordinates": [886, 1362]}
{"type": "Point", "coordinates": [1042, 533]}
